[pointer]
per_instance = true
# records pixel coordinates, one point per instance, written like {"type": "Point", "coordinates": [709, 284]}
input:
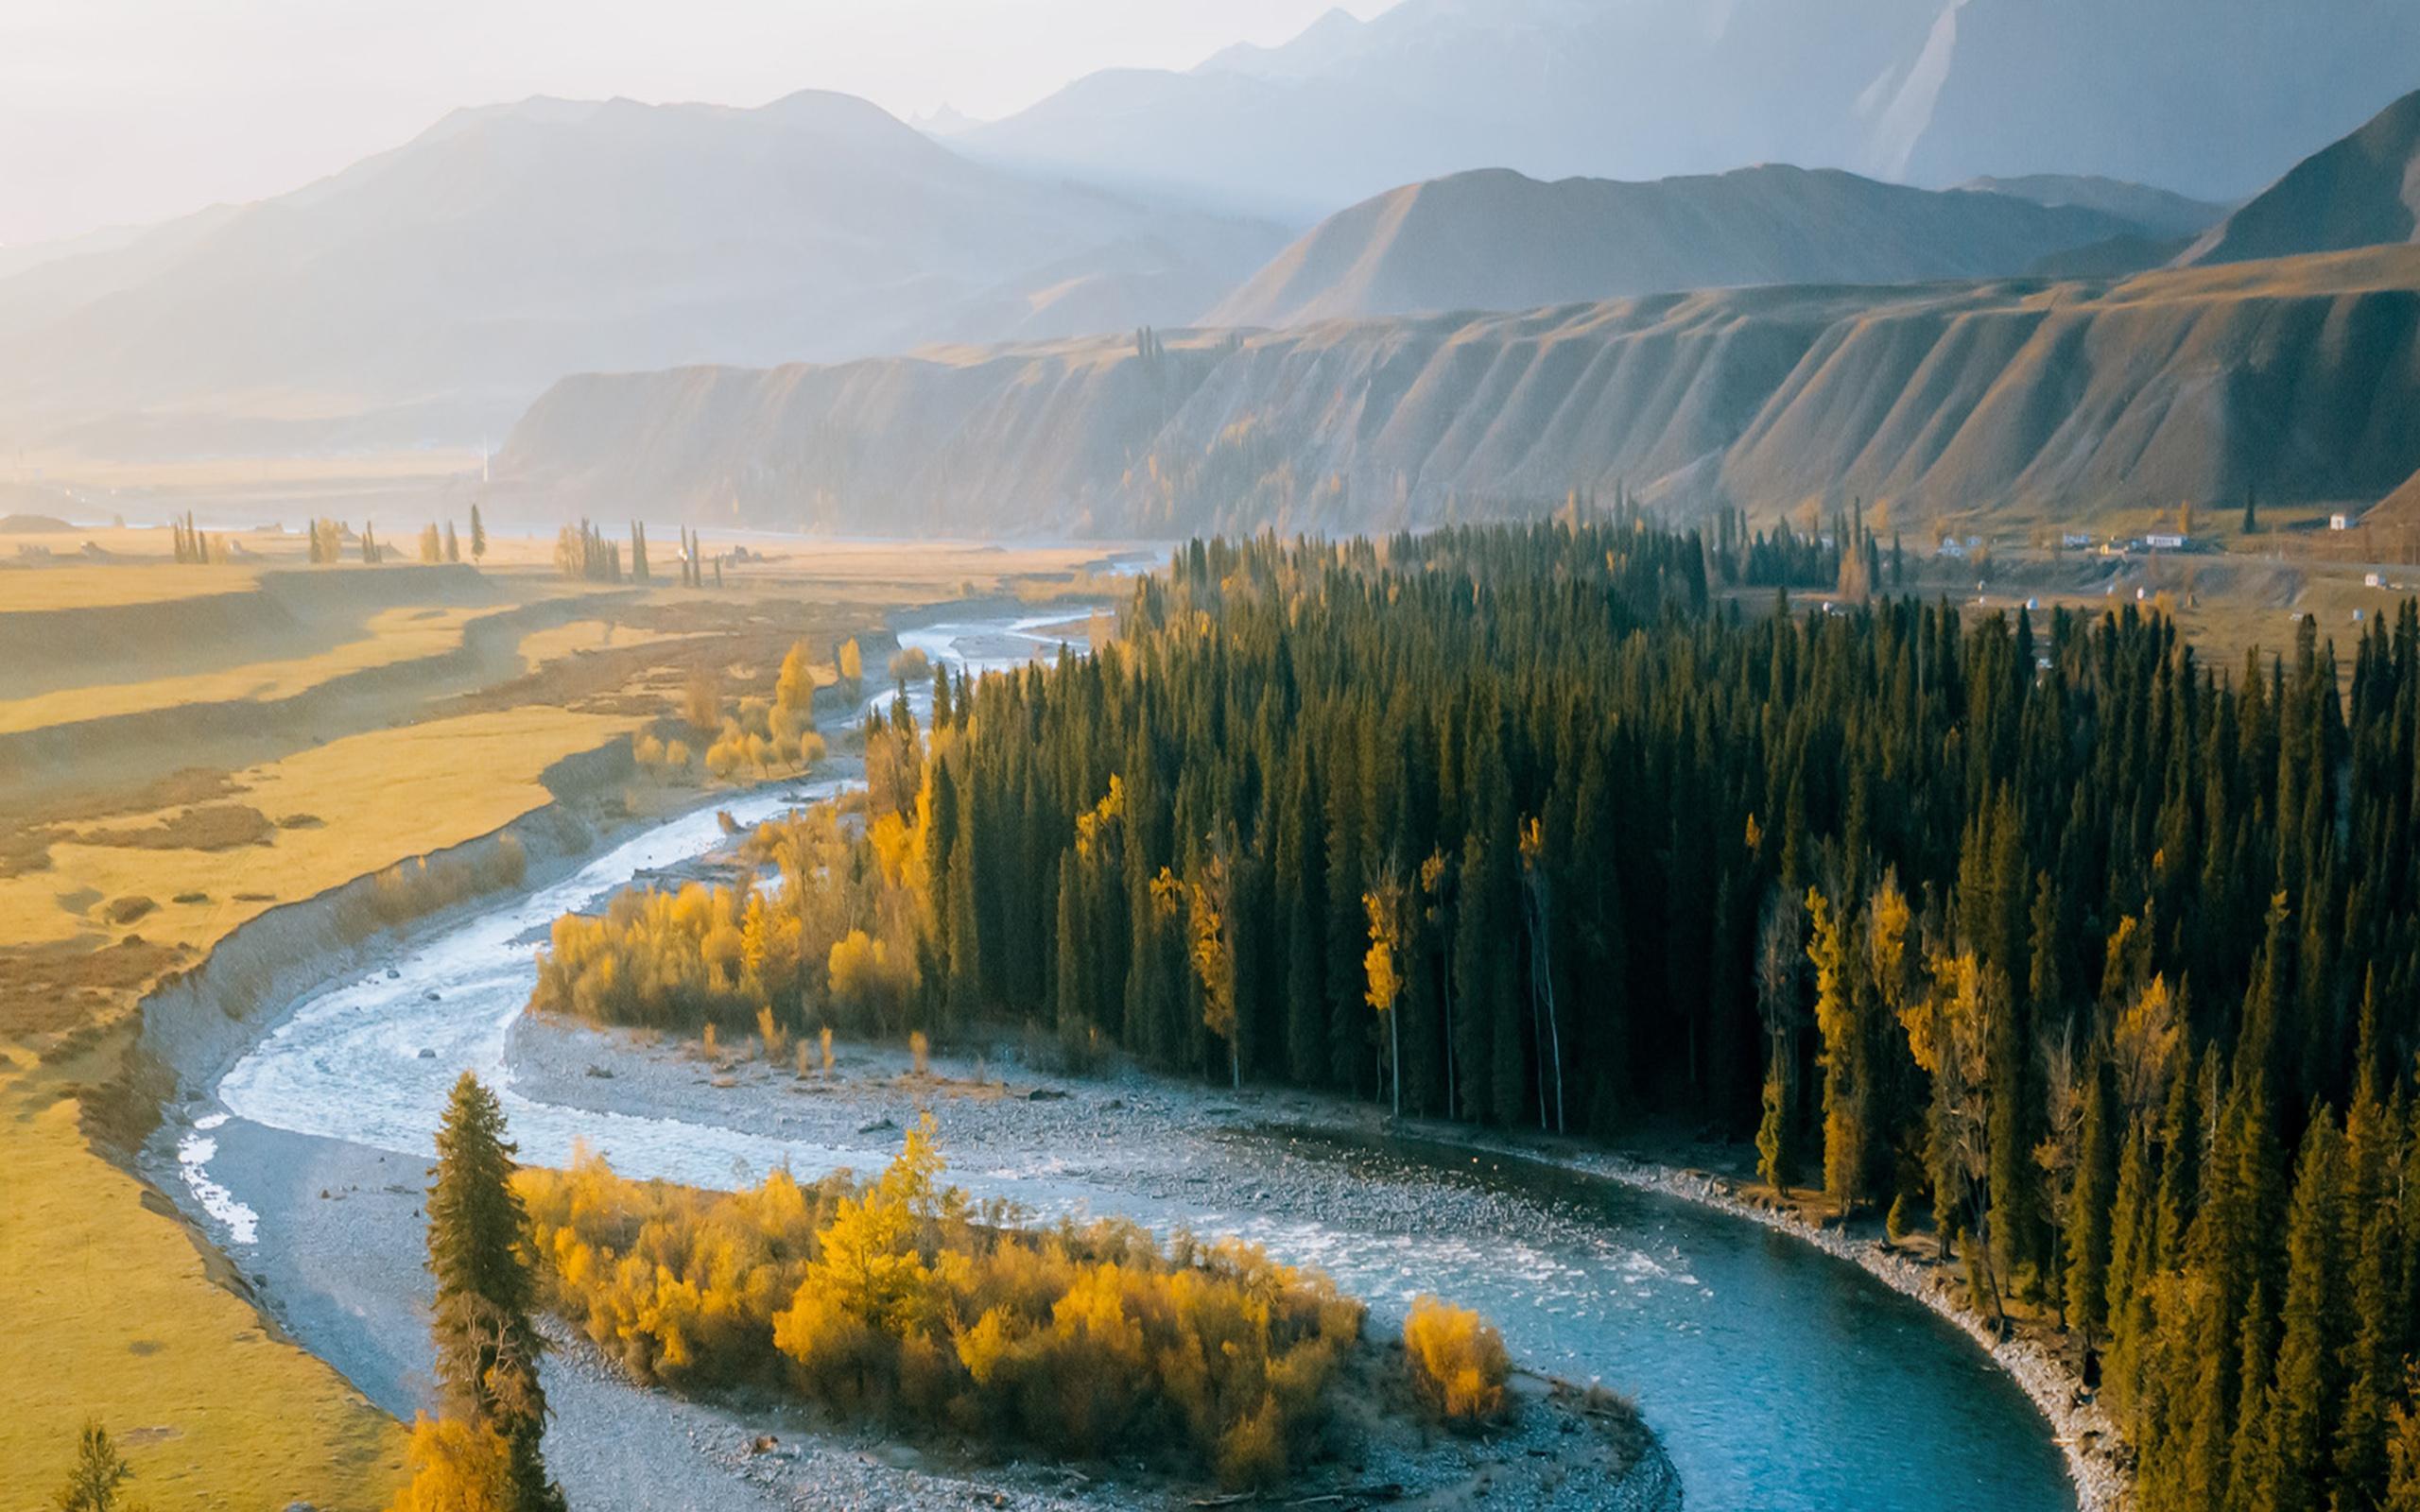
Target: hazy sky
{"type": "Point", "coordinates": [127, 110]}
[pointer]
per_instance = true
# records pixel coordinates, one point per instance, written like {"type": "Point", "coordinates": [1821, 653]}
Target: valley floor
{"type": "Point", "coordinates": [341, 1233]}
{"type": "Point", "coordinates": [273, 731]}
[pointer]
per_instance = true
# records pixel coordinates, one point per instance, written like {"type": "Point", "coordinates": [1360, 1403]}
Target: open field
{"type": "Point", "coordinates": [332, 812]}
{"type": "Point", "coordinates": [119, 1312]}
{"type": "Point", "coordinates": [369, 721]}
{"type": "Point", "coordinates": [389, 636]}
{"type": "Point", "coordinates": [2226, 605]}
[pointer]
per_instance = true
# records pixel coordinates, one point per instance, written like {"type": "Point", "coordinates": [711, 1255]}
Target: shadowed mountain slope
{"type": "Point", "coordinates": [2402, 506]}
{"type": "Point", "coordinates": [2363, 191]}
{"type": "Point", "coordinates": [2158, 212]}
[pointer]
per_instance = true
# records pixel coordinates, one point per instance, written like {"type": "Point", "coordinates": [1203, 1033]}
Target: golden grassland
{"type": "Point", "coordinates": [121, 1310]}
{"type": "Point", "coordinates": [579, 637]}
{"type": "Point", "coordinates": [121, 1316]}
{"type": "Point", "coordinates": [84, 585]}
{"type": "Point", "coordinates": [342, 809]}
{"type": "Point", "coordinates": [113, 1312]}
{"type": "Point", "coordinates": [388, 637]}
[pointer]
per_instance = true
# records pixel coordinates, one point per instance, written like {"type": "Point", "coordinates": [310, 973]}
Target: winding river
{"type": "Point", "coordinates": [1778, 1376]}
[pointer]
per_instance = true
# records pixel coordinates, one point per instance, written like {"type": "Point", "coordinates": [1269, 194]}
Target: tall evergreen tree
{"type": "Point", "coordinates": [487, 1346]}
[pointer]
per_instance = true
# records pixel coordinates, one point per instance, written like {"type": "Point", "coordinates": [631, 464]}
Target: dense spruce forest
{"type": "Point", "coordinates": [2098, 960]}
{"type": "Point", "coordinates": [2095, 960]}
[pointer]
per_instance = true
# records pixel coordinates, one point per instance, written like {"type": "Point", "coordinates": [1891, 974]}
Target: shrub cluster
{"type": "Point", "coordinates": [1458, 1362]}
{"type": "Point", "coordinates": [899, 1299]}
{"type": "Point", "coordinates": [672, 959]}
{"type": "Point", "coordinates": [771, 735]}
{"type": "Point", "coordinates": [416, 888]}
{"type": "Point", "coordinates": [838, 943]}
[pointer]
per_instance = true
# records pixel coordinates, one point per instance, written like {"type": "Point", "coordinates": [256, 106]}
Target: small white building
{"type": "Point", "coordinates": [2339, 521]}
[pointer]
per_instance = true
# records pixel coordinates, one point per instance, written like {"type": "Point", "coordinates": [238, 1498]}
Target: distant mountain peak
{"type": "Point", "coordinates": [1924, 92]}
{"type": "Point", "coordinates": [2157, 210]}
{"type": "Point", "coordinates": [945, 121]}
{"type": "Point", "coordinates": [1317, 46]}
{"type": "Point", "coordinates": [428, 292]}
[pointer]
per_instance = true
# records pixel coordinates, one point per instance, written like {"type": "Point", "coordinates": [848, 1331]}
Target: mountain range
{"type": "Point", "coordinates": [1925, 92]}
{"type": "Point", "coordinates": [430, 292]}
{"type": "Point", "coordinates": [1497, 240]}
{"type": "Point", "coordinates": [2295, 377]}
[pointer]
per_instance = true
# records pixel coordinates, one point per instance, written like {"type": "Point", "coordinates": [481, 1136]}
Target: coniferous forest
{"type": "Point", "coordinates": [2096, 959]}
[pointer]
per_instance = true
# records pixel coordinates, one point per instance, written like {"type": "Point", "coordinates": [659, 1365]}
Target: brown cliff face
{"type": "Point", "coordinates": [2297, 377]}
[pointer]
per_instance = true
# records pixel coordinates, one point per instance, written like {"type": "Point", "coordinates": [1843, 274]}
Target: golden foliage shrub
{"type": "Point", "coordinates": [671, 959]}
{"type": "Point", "coordinates": [769, 737]}
{"type": "Point", "coordinates": [838, 942]}
{"type": "Point", "coordinates": [456, 1467]}
{"type": "Point", "coordinates": [1458, 1362]}
{"type": "Point", "coordinates": [872, 985]}
{"type": "Point", "coordinates": [900, 1299]}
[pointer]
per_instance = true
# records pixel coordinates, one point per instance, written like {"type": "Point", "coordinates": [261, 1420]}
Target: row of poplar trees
{"type": "Point", "coordinates": [2097, 960]}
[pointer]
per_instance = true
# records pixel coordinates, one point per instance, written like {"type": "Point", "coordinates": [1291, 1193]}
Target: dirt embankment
{"type": "Point", "coordinates": [199, 1023]}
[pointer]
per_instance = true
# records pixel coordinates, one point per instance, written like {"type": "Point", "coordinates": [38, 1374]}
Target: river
{"type": "Point", "coordinates": [1778, 1376]}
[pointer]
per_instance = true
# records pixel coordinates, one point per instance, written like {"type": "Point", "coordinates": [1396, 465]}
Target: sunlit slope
{"type": "Point", "coordinates": [1496, 240]}
{"type": "Point", "coordinates": [2402, 506]}
{"type": "Point", "coordinates": [2297, 378]}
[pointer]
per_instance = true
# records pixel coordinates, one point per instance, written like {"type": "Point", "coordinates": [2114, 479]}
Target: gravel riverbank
{"type": "Point", "coordinates": [1054, 1144]}
{"type": "Point", "coordinates": [1009, 1126]}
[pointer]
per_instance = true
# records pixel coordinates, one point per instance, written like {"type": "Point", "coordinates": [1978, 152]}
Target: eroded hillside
{"type": "Point", "coordinates": [2295, 378]}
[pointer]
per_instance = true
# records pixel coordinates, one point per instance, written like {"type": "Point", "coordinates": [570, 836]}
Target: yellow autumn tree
{"type": "Point", "coordinates": [1383, 904]}
{"type": "Point", "coordinates": [898, 1298]}
{"type": "Point", "coordinates": [1841, 1057]}
{"type": "Point", "coordinates": [1949, 1036]}
{"type": "Point", "coordinates": [456, 1467]}
{"type": "Point", "coordinates": [1201, 899]}
{"type": "Point", "coordinates": [794, 688]}
{"type": "Point", "coordinates": [871, 983]}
